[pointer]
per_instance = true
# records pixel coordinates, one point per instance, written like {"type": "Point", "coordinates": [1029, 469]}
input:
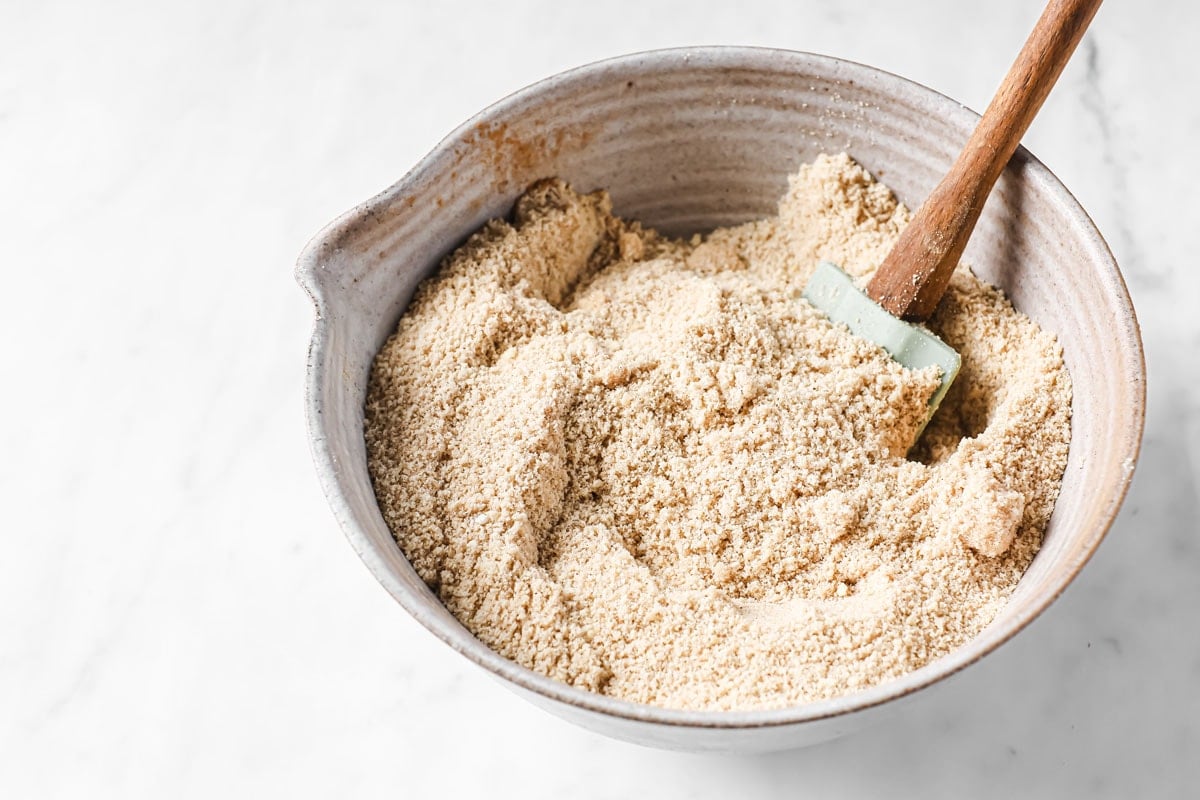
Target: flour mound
{"type": "Point", "coordinates": [648, 468]}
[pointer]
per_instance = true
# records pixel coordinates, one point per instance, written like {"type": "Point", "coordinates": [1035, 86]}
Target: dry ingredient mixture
{"type": "Point", "coordinates": [648, 468]}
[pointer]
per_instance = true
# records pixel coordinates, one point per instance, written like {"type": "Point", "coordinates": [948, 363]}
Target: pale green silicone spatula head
{"type": "Point", "coordinates": [910, 282]}
{"type": "Point", "coordinates": [833, 291]}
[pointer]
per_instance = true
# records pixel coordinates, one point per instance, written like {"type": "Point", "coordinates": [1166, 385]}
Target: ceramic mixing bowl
{"type": "Point", "coordinates": [687, 140]}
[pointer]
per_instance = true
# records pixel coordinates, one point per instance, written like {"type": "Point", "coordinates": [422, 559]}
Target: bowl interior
{"type": "Point", "coordinates": [685, 141]}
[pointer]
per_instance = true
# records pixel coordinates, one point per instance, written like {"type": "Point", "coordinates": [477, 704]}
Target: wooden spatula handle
{"type": "Point", "coordinates": [913, 277]}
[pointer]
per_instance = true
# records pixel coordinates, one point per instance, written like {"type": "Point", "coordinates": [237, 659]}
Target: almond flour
{"type": "Point", "coordinates": [648, 468]}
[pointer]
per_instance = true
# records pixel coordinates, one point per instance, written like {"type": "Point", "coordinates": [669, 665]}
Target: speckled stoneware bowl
{"type": "Point", "coordinates": [686, 140]}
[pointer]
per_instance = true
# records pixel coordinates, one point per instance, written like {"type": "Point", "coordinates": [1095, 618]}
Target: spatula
{"type": "Point", "coordinates": [912, 279]}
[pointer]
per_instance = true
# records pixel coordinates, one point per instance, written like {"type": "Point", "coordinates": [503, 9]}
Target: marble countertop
{"type": "Point", "coordinates": [179, 614]}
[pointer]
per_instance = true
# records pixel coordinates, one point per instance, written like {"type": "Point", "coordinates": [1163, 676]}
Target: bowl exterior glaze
{"type": "Point", "coordinates": [687, 140]}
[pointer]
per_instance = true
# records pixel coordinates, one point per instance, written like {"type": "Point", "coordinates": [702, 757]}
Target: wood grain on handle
{"type": "Point", "coordinates": [913, 277]}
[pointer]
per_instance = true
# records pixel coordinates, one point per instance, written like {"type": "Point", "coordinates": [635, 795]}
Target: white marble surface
{"type": "Point", "coordinates": [179, 615]}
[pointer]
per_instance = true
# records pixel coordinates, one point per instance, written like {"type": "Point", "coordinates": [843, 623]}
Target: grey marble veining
{"type": "Point", "coordinates": [179, 615]}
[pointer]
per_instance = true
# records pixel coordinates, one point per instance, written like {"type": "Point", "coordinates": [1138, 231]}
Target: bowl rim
{"type": "Point", "coordinates": [309, 275]}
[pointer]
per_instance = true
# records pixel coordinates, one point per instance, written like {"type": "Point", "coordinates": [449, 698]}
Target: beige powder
{"type": "Point", "coordinates": [648, 468]}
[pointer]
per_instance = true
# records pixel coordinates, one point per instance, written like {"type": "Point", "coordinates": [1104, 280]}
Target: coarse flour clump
{"type": "Point", "coordinates": [648, 468]}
